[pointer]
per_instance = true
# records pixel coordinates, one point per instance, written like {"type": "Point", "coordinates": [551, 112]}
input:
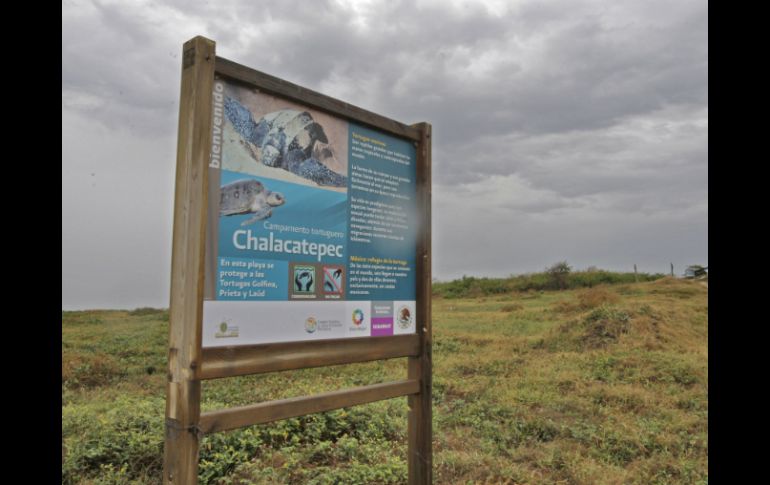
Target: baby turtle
{"type": "Point", "coordinates": [288, 139]}
{"type": "Point", "coordinates": [248, 196]}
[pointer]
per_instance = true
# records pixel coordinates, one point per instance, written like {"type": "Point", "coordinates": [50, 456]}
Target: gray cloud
{"type": "Point", "coordinates": [566, 120]}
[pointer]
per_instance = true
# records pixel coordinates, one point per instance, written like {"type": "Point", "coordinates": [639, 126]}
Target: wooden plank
{"type": "Point", "coordinates": [220, 362]}
{"type": "Point", "coordinates": [239, 417]}
{"type": "Point", "coordinates": [180, 460]}
{"type": "Point", "coordinates": [274, 85]}
{"type": "Point", "coordinates": [420, 434]}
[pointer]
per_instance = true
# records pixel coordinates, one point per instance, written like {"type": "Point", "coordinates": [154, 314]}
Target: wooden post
{"type": "Point", "coordinates": [636, 276]}
{"type": "Point", "coordinates": [420, 405]}
{"type": "Point", "coordinates": [180, 459]}
{"type": "Point", "coordinates": [672, 270]}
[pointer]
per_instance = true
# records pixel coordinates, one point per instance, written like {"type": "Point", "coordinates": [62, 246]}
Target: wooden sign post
{"type": "Point", "coordinates": [214, 330]}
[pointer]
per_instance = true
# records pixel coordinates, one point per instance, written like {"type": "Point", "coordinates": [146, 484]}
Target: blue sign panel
{"type": "Point", "coordinates": [312, 228]}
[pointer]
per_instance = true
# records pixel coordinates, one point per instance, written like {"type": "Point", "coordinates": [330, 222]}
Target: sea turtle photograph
{"type": "Point", "coordinates": [287, 139]}
{"type": "Point", "coordinates": [248, 196]}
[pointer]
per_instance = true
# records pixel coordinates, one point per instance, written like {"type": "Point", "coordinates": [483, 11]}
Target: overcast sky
{"type": "Point", "coordinates": [563, 130]}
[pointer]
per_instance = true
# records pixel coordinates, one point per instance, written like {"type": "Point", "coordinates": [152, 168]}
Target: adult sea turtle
{"type": "Point", "coordinates": [248, 196]}
{"type": "Point", "coordinates": [288, 139]}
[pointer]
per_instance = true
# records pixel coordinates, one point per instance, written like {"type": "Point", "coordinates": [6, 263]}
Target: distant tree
{"type": "Point", "coordinates": [592, 269]}
{"type": "Point", "coordinates": [558, 273]}
{"type": "Point", "coordinates": [695, 270]}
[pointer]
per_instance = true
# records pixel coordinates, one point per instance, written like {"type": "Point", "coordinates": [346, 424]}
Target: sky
{"type": "Point", "coordinates": [563, 130]}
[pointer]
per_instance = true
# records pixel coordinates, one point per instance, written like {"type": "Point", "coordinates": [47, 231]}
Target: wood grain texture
{"type": "Point", "coordinates": [180, 461]}
{"type": "Point", "coordinates": [274, 85]}
{"type": "Point", "coordinates": [239, 417]}
{"type": "Point", "coordinates": [218, 362]}
{"type": "Point", "coordinates": [420, 434]}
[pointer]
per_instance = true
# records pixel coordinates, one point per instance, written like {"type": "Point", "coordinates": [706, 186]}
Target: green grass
{"type": "Point", "coordinates": [604, 385]}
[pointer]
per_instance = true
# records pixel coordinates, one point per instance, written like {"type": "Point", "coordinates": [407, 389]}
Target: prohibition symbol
{"type": "Point", "coordinates": [332, 279]}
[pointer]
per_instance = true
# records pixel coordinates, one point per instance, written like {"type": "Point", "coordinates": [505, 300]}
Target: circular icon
{"type": "Point", "coordinates": [404, 317]}
{"type": "Point", "coordinates": [310, 325]}
{"type": "Point", "coordinates": [358, 317]}
{"type": "Point", "coordinates": [223, 327]}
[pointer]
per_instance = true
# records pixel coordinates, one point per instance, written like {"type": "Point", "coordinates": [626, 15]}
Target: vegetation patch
{"type": "Point", "coordinates": [145, 311]}
{"type": "Point", "coordinates": [529, 396]}
{"type": "Point", "coordinates": [677, 288]}
{"type": "Point", "coordinates": [80, 318]}
{"type": "Point", "coordinates": [596, 297]}
{"type": "Point", "coordinates": [605, 325]}
{"type": "Point", "coordinates": [122, 439]}
{"type": "Point", "coordinates": [557, 277]}
{"type": "Point", "coordinates": [89, 370]}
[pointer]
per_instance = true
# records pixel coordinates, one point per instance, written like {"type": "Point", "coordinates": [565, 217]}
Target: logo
{"type": "Point", "coordinates": [358, 317]}
{"type": "Point", "coordinates": [304, 279]}
{"type": "Point", "coordinates": [310, 325]}
{"type": "Point", "coordinates": [225, 330]}
{"type": "Point", "coordinates": [404, 317]}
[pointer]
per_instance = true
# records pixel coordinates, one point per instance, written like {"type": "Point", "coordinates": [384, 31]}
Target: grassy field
{"type": "Point", "coordinates": [604, 385]}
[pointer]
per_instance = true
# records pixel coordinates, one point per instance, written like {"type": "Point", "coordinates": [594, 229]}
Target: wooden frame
{"type": "Point", "coordinates": [189, 363]}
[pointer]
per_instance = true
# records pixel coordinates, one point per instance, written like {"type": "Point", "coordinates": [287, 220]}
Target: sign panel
{"type": "Point", "coordinates": [312, 225]}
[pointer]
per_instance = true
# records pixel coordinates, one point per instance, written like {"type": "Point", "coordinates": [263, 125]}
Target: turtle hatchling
{"type": "Point", "coordinates": [248, 196]}
{"type": "Point", "coordinates": [288, 139]}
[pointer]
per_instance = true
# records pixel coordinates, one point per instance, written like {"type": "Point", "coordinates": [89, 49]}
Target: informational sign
{"type": "Point", "coordinates": [312, 225]}
{"type": "Point", "coordinates": [301, 239]}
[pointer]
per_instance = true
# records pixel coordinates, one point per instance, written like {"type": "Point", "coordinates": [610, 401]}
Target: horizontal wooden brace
{"type": "Point", "coordinates": [233, 361]}
{"type": "Point", "coordinates": [222, 420]}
